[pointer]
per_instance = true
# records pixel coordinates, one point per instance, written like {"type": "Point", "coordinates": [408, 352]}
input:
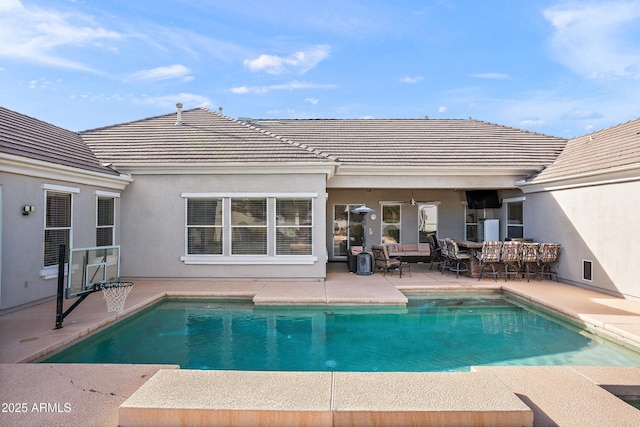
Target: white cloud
{"type": "Point", "coordinates": [597, 40]}
{"type": "Point", "coordinates": [294, 85]}
{"type": "Point", "coordinates": [498, 76]}
{"type": "Point", "coordinates": [7, 5]}
{"type": "Point", "coordinates": [408, 79]}
{"type": "Point", "coordinates": [581, 114]}
{"type": "Point", "coordinates": [35, 34]}
{"type": "Point", "coordinates": [299, 62]}
{"type": "Point", "coordinates": [175, 71]}
{"type": "Point", "coordinates": [532, 121]}
{"type": "Point", "coordinates": [442, 109]}
{"type": "Point", "coordinates": [268, 63]}
{"type": "Point", "coordinates": [240, 90]}
{"type": "Point", "coordinates": [42, 83]}
{"type": "Point", "coordinates": [312, 101]}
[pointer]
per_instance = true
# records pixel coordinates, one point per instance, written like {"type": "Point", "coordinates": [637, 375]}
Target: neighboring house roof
{"type": "Point", "coordinates": [25, 136]}
{"type": "Point", "coordinates": [201, 137]}
{"type": "Point", "coordinates": [608, 150]}
{"type": "Point", "coordinates": [420, 142]}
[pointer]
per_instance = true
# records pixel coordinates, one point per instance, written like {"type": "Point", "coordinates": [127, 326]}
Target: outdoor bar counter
{"type": "Point", "coordinates": [472, 248]}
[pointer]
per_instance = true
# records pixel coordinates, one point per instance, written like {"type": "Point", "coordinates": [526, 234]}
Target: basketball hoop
{"type": "Point", "coordinates": [116, 293]}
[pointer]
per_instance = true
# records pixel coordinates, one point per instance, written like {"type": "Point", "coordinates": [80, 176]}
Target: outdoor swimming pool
{"type": "Point", "coordinates": [436, 333]}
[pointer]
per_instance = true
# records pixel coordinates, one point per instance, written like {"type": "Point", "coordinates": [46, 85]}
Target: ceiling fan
{"type": "Point", "coordinates": [413, 201]}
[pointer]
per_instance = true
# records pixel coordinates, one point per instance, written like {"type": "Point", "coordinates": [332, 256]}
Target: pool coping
{"type": "Point", "coordinates": [28, 333]}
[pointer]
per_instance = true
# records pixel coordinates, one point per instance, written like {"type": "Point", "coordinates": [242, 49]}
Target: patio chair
{"type": "Point", "coordinates": [548, 254]}
{"type": "Point", "coordinates": [529, 259]}
{"type": "Point", "coordinates": [435, 251]}
{"type": "Point", "coordinates": [510, 258]}
{"type": "Point", "coordinates": [383, 261]}
{"type": "Point", "coordinates": [459, 260]}
{"type": "Point", "coordinates": [489, 256]}
{"type": "Point", "coordinates": [445, 261]}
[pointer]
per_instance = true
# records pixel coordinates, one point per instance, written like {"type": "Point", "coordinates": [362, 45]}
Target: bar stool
{"type": "Point", "coordinates": [529, 258]}
{"type": "Point", "coordinates": [459, 260]}
{"type": "Point", "coordinates": [444, 253]}
{"type": "Point", "coordinates": [489, 256]}
{"type": "Point", "coordinates": [510, 257]}
{"type": "Point", "coordinates": [548, 254]}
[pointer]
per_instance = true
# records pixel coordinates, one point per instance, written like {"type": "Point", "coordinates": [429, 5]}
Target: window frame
{"type": "Point", "coordinates": [482, 214]}
{"type": "Point", "coordinates": [308, 228]}
{"type": "Point", "coordinates": [189, 227]}
{"type": "Point", "coordinates": [384, 223]}
{"type": "Point", "coordinates": [506, 204]}
{"type": "Point", "coordinates": [50, 271]}
{"type": "Point", "coordinates": [351, 222]}
{"type": "Point", "coordinates": [235, 229]}
{"type": "Point", "coordinates": [106, 196]}
{"type": "Point", "coordinates": [271, 256]}
{"type": "Point", "coordinates": [436, 206]}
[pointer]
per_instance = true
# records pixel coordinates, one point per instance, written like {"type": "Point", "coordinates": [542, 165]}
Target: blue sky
{"type": "Point", "coordinates": [563, 68]}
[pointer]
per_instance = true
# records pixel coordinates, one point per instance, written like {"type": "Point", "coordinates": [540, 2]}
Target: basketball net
{"type": "Point", "coordinates": [116, 294]}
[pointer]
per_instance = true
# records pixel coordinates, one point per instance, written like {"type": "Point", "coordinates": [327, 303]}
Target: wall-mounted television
{"type": "Point", "coordinates": [481, 199]}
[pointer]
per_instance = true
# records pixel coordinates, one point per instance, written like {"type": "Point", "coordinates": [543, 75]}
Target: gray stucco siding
{"type": "Point", "coordinates": [154, 227]}
{"type": "Point", "coordinates": [593, 223]}
{"type": "Point", "coordinates": [24, 278]}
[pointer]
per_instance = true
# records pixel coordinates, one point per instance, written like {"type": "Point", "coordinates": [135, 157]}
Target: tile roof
{"type": "Point", "coordinates": [601, 151]}
{"type": "Point", "coordinates": [25, 136]}
{"type": "Point", "coordinates": [420, 142]}
{"type": "Point", "coordinates": [203, 136]}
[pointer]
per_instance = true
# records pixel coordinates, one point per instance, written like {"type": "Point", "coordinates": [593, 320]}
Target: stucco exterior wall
{"type": "Point", "coordinates": [23, 281]}
{"type": "Point", "coordinates": [154, 226]}
{"type": "Point", "coordinates": [594, 223]}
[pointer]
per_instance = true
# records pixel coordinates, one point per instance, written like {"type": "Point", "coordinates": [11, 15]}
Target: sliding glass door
{"type": "Point", "coordinates": [347, 229]}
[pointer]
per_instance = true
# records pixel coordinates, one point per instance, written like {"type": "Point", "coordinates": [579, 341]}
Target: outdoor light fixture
{"type": "Point", "coordinates": [27, 209]}
{"type": "Point", "coordinates": [363, 210]}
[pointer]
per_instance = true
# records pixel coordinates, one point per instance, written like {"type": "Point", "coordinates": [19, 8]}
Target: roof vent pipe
{"type": "Point", "coordinates": [179, 116]}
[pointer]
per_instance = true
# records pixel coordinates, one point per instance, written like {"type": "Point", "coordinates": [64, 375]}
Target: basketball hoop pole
{"type": "Point", "coordinates": [60, 315]}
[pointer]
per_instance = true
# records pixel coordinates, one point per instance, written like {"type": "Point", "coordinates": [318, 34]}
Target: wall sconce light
{"type": "Point", "coordinates": [27, 209]}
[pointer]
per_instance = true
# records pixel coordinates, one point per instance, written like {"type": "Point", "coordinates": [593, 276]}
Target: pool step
{"type": "Point", "coordinates": [249, 398]}
{"type": "Point", "coordinates": [364, 290]}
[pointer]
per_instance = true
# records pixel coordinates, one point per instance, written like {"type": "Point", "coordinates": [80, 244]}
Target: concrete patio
{"type": "Point", "coordinates": [99, 394]}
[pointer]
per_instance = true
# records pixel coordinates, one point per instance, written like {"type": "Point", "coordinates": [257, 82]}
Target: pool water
{"type": "Point", "coordinates": [430, 334]}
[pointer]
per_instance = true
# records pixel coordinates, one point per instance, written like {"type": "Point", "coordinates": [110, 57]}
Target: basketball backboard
{"type": "Point", "coordinates": [91, 267]}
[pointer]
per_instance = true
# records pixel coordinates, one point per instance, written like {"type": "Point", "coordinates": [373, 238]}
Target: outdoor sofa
{"type": "Point", "coordinates": [412, 252]}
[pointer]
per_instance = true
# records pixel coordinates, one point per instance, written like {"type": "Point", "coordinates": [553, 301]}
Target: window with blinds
{"type": "Point", "coordinates": [204, 226]}
{"type": "Point", "coordinates": [57, 225]}
{"type": "Point", "coordinates": [249, 226]}
{"type": "Point", "coordinates": [105, 221]}
{"type": "Point", "coordinates": [244, 226]}
{"type": "Point", "coordinates": [294, 227]}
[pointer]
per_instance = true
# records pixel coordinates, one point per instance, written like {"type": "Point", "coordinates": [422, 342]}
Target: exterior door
{"type": "Point", "coordinates": [347, 229]}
